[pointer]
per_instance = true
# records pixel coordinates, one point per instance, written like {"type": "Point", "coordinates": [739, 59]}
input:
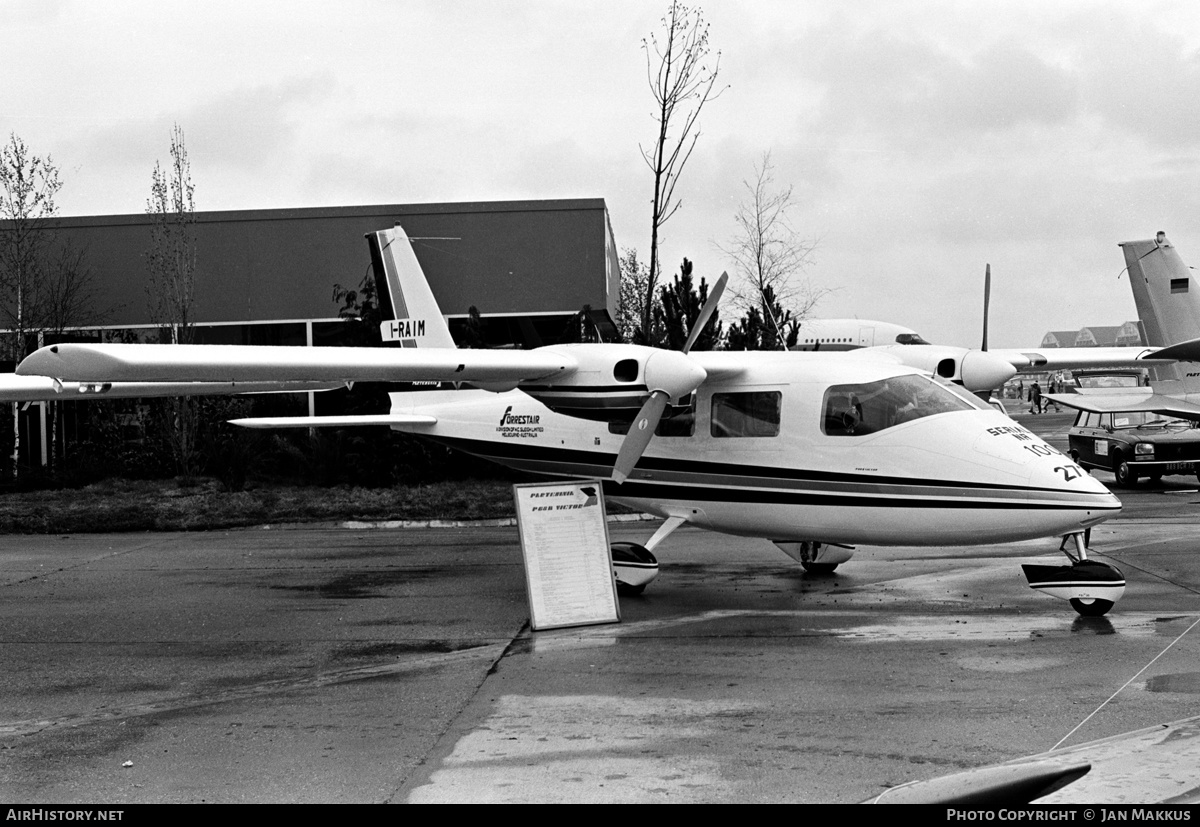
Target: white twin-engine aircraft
{"type": "Point", "coordinates": [816, 452]}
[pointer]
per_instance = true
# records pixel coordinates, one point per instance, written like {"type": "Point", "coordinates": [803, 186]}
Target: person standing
{"type": "Point", "coordinates": [1035, 398]}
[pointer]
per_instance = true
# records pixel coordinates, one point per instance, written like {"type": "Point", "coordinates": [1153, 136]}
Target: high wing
{"type": "Point", "coordinates": [264, 363]}
{"type": "Point", "coordinates": [15, 388]}
{"type": "Point", "coordinates": [1081, 358]}
{"type": "Point", "coordinates": [1149, 402]}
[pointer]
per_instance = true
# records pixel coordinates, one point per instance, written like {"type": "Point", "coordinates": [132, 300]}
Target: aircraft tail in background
{"type": "Point", "coordinates": [1168, 305]}
{"type": "Point", "coordinates": [411, 314]}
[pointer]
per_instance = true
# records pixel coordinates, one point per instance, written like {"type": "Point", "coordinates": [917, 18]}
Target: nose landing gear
{"type": "Point", "coordinates": [1091, 587]}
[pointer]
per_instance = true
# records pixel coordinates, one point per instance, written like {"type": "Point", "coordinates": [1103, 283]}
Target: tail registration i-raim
{"type": "Point", "coordinates": [814, 451]}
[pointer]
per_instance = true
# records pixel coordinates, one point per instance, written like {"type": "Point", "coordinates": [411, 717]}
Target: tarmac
{"type": "Point", "coordinates": [383, 664]}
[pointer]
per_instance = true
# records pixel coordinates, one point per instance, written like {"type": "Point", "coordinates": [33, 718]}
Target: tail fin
{"type": "Point", "coordinates": [415, 318]}
{"type": "Point", "coordinates": [1168, 304]}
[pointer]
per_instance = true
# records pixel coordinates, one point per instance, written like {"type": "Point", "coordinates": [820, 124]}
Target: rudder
{"type": "Point", "coordinates": [415, 318]}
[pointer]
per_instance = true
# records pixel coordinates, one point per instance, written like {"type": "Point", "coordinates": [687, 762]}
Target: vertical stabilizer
{"type": "Point", "coordinates": [404, 294]}
{"type": "Point", "coordinates": [1168, 302]}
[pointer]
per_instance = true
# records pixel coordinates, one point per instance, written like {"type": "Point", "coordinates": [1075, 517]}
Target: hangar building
{"type": "Point", "coordinates": [267, 276]}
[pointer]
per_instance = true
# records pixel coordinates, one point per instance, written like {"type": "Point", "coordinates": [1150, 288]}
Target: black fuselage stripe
{"type": "Point", "coordinates": [941, 495]}
{"type": "Point", "coordinates": [523, 450]}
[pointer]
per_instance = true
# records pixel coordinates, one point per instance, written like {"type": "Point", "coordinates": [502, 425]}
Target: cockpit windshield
{"type": "Point", "coordinates": [910, 339]}
{"type": "Point", "coordinates": [856, 410]}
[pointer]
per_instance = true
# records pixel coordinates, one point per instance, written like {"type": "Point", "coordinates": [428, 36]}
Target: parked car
{"type": "Point", "coordinates": [1135, 444]}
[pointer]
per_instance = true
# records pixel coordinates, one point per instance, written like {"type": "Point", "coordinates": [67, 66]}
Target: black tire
{"type": "Point", "coordinates": [1096, 608]}
{"type": "Point", "coordinates": [819, 568]}
{"type": "Point", "coordinates": [627, 590]}
{"type": "Point", "coordinates": [1124, 472]}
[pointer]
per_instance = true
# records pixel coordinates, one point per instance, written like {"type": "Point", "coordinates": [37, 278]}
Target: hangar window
{"type": "Point", "coordinates": [753, 414]}
{"type": "Point", "coordinates": [855, 410]}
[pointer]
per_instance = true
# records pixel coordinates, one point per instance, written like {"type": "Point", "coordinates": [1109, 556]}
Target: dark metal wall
{"type": "Point", "coordinates": [525, 257]}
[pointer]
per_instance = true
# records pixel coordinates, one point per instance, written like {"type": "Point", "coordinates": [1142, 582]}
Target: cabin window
{"type": "Point", "coordinates": [752, 414]}
{"type": "Point", "coordinates": [856, 410]}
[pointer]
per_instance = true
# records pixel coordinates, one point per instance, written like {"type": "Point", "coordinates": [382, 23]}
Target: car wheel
{"type": "Point", "coordinates": [1123, 471]}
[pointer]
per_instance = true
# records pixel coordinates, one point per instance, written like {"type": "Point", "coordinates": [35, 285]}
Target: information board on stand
{"type": "Point", "coordinates": [568, 566]}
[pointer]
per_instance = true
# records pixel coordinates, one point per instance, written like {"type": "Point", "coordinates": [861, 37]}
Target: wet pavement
{"type": "Point", "coordinates": [329, 664]}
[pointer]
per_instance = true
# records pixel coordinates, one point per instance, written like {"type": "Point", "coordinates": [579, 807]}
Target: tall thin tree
{"type": "Point", "coordinates": [171, 256]}
{"type": "Point", "coordinates": [171, 288]}
{"type": "Point", "coordinates": [682, 83]}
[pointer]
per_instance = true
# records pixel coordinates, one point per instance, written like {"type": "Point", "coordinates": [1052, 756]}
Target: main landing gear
{"type": "Point", "coordinates": [1091, 587]}
{"type": "Point", "coordinates": [635, 566]}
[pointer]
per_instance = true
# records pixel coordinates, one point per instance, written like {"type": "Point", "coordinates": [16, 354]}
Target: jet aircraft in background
{"type": "Point", "coordinates": [815, 452]}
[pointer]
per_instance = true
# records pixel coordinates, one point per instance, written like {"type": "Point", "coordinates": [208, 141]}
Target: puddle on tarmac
{"type": "Point", "coordinates": [976, 627]}
{"type": "Point", "coordinates": [1007, 664]}
{"type": "Point", "coordinates": [1187, 683]}
{"type": "Point", "coordinates": [854, 625]}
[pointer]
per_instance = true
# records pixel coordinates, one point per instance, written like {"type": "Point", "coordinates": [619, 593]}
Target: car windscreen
{"type": "Point", "coordinates": [1139, 419]}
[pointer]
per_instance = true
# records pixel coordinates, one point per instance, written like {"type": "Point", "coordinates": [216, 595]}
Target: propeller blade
{"type": "Point", "coordinates": [706, 312]}
{"type": "Point", "coordinates": [640, 433]}
{"type": "Point", "coordinates": [987, 299]}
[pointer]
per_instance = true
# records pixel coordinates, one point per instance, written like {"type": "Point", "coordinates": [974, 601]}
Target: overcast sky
{"type": "Point", "coordinates": [923, 139]}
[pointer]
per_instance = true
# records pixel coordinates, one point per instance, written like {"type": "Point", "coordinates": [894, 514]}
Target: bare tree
{"type": "Point", "coordinates": [29, 185]}
{"type": "Point", "coordinates": [68, 299]}
{"type": "Point", "coordinates": [682, 83]}
{"type": "Point", "coordinates": [171, 289]}
{"type": "Point", "coordinates": [171, 257]}
{"type": "Point", "coordinates": [768, 254]}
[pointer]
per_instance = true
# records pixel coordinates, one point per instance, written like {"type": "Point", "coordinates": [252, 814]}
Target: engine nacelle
{"type": "Point", "coordinates": [975, 370]}
{"type": "Point", "coordinates": [611, 383]}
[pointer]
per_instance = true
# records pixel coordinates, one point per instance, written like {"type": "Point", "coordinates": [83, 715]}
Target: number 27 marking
{"type": "Point", "coordinates": [1069, 472]}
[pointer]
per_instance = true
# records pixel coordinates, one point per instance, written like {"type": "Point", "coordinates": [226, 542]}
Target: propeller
{"type": "Point", "coordinates": [987, 298]}
{"type": "Point", "coordinates": [669, 375]}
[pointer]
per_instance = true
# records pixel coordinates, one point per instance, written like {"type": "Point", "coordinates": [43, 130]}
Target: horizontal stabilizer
{"type": "Point", "coordinates": [332, 421]}
{"type": "Point", "coordinates": [1126, 403]}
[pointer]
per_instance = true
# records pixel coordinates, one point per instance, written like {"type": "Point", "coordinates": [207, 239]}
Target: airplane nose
{"type": "Point", "coordinates": [983, 371]}
{"type": "Point", "coordinates": [1078, 488]}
